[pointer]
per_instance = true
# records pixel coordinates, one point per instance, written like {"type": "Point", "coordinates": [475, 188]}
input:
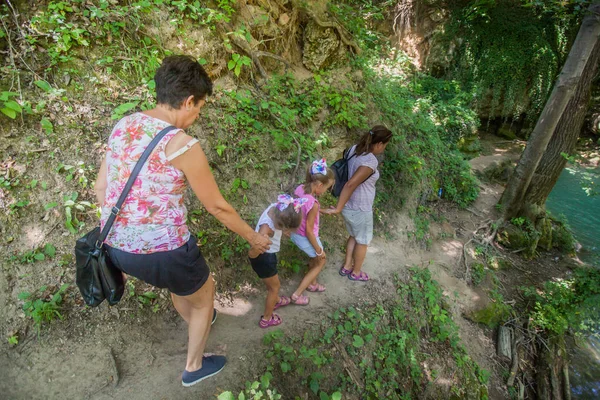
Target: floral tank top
{"type": "Point", "coordinates": [153, 217]}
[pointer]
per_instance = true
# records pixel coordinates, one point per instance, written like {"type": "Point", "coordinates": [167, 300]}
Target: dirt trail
{"type": "Point", "coordinates": [148, 356]}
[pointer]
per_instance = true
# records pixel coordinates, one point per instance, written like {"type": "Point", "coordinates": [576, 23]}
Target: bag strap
{"type": "Point", "coordinates": [353, 155]}
{"type": "Point", "coordinates": [136, 170]}
{"type": "Point", "coordinates": [346, 152]}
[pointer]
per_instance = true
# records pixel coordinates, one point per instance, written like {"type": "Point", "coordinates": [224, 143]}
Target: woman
{"type": "Point", "coordinates": [150, 239]}
{"type": "Point", "coordinates": [357, 196]}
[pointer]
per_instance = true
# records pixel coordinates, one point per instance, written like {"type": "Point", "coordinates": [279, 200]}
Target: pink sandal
{"type": "Point", "coordinates": [316, 288]}
{"type": "Point", "coordinates": [362, 277]}
{"type": "Point", "coordinates": [300, 300]}
{"type": "Point", "coordinates": [274, 321]}
{"type": "Point", "coordinates": [283, 301]}
{"type": "Point", "coordinates": [344, 271]}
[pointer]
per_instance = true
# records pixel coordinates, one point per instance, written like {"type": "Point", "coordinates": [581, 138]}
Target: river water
{"type": "Point", "coordinates": [583, 215]}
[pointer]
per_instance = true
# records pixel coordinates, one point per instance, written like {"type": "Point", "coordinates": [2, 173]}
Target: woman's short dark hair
{"type": "Point", "coordinates": [180, 77]}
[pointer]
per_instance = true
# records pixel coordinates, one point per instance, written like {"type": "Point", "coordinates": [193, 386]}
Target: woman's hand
{"type": "Point", "coordinates": [331, 211]}
{"type": "Point", "coordinates": [259, 243]}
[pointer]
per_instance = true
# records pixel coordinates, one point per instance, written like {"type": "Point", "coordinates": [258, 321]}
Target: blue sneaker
{"type": "Point", "coordinates": [211, 366]}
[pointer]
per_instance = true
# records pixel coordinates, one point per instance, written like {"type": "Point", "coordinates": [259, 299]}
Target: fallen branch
{"type": "Point", "coordinates": [515, 362]}
{"type": "Point", "coordinates": [347, 364]}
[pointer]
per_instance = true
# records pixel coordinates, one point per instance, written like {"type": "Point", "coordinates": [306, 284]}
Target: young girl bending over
{"type": "Point", "coordinates": [283, 217]}
{"type": "Point", "coordinates": [319, 179]}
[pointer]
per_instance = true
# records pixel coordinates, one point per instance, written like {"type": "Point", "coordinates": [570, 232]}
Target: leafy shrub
{"type": "Point", "coordinates": [43, 310]}
{"type": "Point", "coordinates": [568, 304]}
{"type": "Point", "coordinates": [512, 76]}
{"type": "Point", "coordinates": [383, 341]}
{"type": "Point", "coordinates": [422, 155]}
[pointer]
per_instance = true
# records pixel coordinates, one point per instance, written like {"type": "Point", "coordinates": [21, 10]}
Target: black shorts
{"type": "Point", "coordinates": [183, 271]}
{"type": "Point", "coordinates": [265, 265]}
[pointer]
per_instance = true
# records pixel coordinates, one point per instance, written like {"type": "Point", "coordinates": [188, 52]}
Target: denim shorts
{"type": "Point", "coordinates": [304, 244]}
{"type": "Point", "coordinates": [183, 270]}
{"type": "Point", "coordinates": [359, 225]}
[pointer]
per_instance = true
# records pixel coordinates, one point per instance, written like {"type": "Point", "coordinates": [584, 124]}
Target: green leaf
{"type": "Point", "coordinates": [226, 396]}
{"type": "Point", "coordinates": [202, 61]}
{"type": "Point", "coordinates": [314, 386]}
{"type": "Point", "coordinates": [39, 256]}
{"type": "Point", "coordinates": [285, 367]}
{"type": "Point", "coordinates": [13, 105]}
{"type": "Point", "coordinates": [231, 64]}
{"type": "Point", "coordinates": [49, 205]}
{"type": "Point", "coordinates": [23, 295]}
{"type": "Point", "coordinates": [241, 396]}
{"type": "Point", "coordinates": [336, 396]}
{"type": "Point", "coordinates": [358, 341]}
{"type": "Point", "coordinates": [238, 70]}
{"type": "Point", "coordinates": [123, 108]}
{"type": "Point", "coordinates": [47, 125]}
{"type": "Point", "coordinates": [45, 86]}
{"type": "Point", "coordinates": [324, 396]}
{"type": "Point", "coordinates": [50, 250]}
{"type": "Point", "coordinates": [9, 113]}
{"type": "Point", "coordinates": [265, 380]}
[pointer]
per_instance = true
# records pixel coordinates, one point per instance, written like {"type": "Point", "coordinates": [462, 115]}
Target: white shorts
{"type": "Point", "coordinates": [359, 225]}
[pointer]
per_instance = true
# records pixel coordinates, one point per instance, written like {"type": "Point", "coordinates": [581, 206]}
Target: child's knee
{"type": "Point", "coordinates": [274, 286]}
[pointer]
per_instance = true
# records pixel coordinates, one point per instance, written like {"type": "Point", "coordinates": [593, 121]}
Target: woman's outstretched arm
{"type": "Point", "coordinates": [361, 174]}
{"type": "Point", "coordinates": [194, 165]}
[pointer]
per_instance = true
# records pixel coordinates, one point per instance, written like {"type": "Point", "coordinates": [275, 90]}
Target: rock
{"type": "Point", "coordinates": [470, 144]}
{"type": "Point", "coordinates": [562, 238]}
{"type": "Point", "coordinates": [506, 131]}
{"type": "Point", "coordinates": [260, 21]}
{"type": "Point", "coordinates": [284, 19]}
{"type": "Point", "coordinates": [524, 238]}
{"type": "Point", "coordinates": [492, 315]}
{"type": "Point", "coordinates": [322, 47]}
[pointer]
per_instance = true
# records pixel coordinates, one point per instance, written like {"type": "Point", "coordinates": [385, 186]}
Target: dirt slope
{"type": "Point", "coordinates": [148, 355]}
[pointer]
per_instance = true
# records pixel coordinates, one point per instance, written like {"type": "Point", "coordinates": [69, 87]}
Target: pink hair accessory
{"type": "Point", "coordinates": [319, 167]}
{"type": "Point", "coordinates": [285, 200]}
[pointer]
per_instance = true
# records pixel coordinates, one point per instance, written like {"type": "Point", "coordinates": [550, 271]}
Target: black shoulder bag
{"type": "Point", "coordinates": [340, 172]}
{"type": "Point", "coordinates": [97, 277]}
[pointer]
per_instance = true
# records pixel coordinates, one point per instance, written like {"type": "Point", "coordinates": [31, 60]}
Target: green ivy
{"type": "Point", "coordinates": [513, 75]}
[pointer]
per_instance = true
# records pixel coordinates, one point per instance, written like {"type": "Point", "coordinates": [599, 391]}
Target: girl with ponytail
{"type": "Point", "coordinates": [357, 197]}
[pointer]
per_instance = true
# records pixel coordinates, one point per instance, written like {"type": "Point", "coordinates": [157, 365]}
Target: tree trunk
{"type": "Point", "coordinates": [565, 136]}
{"type": "Point", "coordinates": [562, 93]}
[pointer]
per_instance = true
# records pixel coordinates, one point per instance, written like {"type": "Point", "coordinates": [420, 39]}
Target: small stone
{"type": "Point", "coordinates": [284, 19]}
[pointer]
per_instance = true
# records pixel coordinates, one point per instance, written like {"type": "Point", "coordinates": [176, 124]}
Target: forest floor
{"type": "Point", "coordinates": [125, 353]}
